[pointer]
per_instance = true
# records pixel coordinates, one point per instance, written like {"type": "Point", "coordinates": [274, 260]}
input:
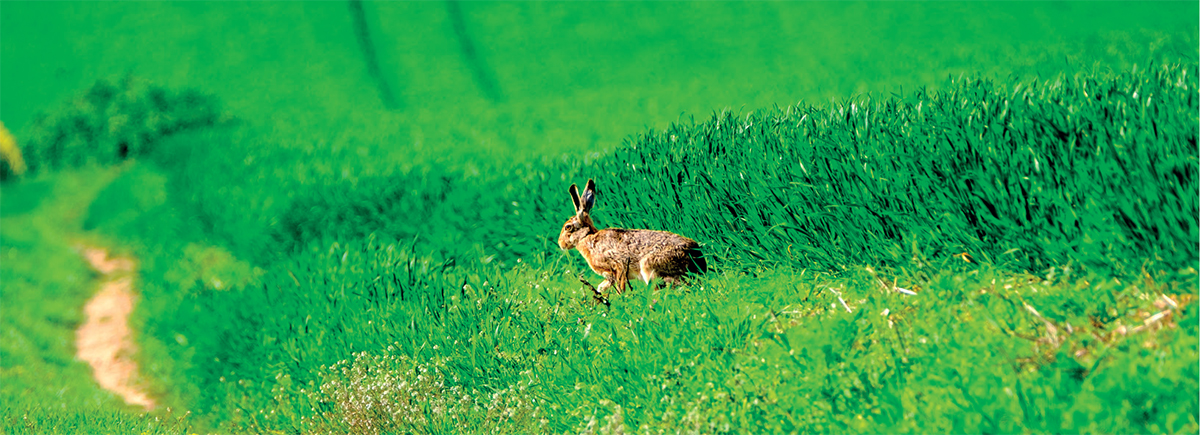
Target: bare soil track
{"type": "Point", "coordinates": [104, 339]}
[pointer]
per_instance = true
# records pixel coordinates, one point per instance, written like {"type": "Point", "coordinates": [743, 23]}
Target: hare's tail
{"type": "Point", "coordinates": [696, 263]}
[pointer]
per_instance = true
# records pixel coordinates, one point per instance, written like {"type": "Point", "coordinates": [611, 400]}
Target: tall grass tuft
{"type": "Point", "coordinates": [1090, 168]}
{"type": "Point", "coordinates": [1085, 168]}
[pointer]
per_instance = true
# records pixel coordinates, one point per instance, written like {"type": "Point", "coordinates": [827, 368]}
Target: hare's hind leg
{"type": "Point", "coordinates": [646, 270]}
{"type": "Point", "coordinates": [620, 277]}
{"type": "Point", "coordinates": [671, 281]}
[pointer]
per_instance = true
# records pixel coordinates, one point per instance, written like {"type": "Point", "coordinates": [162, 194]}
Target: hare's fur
{"type": "Point", "coordinates": [620, 254]}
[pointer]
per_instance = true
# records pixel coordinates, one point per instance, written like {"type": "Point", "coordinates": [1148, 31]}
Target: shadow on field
{"type": "Point", "coordinates": [363, 32]}
{"type": "Point", "coordinates": [479, 69]}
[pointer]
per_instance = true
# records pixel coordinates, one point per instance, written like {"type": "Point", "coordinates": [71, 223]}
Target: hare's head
{"type": "Point", "coordinates": [580, 225]}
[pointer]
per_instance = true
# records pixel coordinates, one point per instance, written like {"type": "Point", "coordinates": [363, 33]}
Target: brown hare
{"type": "Point", "coordinates": [620, 254]}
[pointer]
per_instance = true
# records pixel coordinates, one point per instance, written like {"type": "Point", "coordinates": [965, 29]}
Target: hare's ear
{"type": "Point", "coordinates": [575, 198]}
{"type": "Point", "coordinates": [589, 196]}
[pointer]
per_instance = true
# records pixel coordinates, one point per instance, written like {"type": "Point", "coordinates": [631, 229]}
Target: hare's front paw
{"type": "Point", "coordinates": [597, 296]}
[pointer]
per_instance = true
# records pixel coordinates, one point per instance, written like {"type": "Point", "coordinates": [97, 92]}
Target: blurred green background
{"type": "Point", "coordinates": [570, 77]}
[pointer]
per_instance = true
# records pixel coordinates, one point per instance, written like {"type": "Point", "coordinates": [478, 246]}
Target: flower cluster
{"type": "Point", "coordinates": [393, 393]}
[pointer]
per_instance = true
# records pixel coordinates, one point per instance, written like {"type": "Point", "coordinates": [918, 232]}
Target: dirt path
{"type": "Point", "coordinates": [104, 339]}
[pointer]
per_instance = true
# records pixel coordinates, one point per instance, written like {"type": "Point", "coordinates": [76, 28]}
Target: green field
{"type": "Point", "coordinates": [346, 214]}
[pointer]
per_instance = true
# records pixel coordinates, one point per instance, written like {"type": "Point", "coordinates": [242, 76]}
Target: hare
{"type": "Point", "coordinates": [621, 254]}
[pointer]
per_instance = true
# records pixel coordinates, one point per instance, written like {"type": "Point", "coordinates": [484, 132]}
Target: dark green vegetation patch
{"type": "Point", "coordinates": [113, 122]}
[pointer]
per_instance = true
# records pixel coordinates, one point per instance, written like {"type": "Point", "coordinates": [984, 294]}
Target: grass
{"type": "Point", "coordinates": [488, 306]}
{"type": "Point", "coordinates": [323, 253]}
{"type": "Point", "coordinates": [978, 349]}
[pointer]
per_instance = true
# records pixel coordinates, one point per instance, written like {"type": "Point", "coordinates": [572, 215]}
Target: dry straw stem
{"type": "Point", "coordinates": [1050, 328]}
{"type": "Point", "coordinates": [839, 297]}
{"type": "Point", "coordinates": [893, 287]}
{"type": "Point", "coordinates": [1162, 302]}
